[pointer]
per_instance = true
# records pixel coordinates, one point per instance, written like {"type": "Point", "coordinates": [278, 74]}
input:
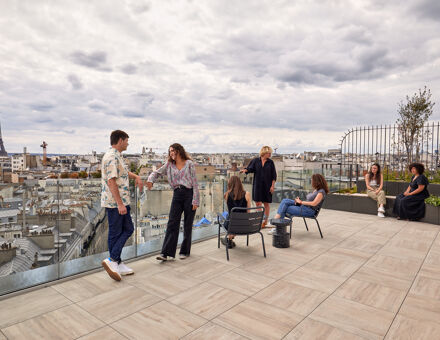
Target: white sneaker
{"type": "Point", "coordinates": [182, 256]}
{"type": "Point", "coordinates": [381, 209]}
{"type": "Point", "coordinates": [112, 269]}
{"type": "Point", "coordinates": [162, 257]}
{"type": "Point", "coordinates": [272, 231]}
{"type": "Point", "coordinates": [124, 269]}
{"type": "Point", "coordinates": [380, 214]}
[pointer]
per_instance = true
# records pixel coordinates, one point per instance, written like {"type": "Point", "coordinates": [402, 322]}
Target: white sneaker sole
{"type": "Point", "coordinates": [114, 275]}
{"type": "Point", "coordinates": [126, 273]}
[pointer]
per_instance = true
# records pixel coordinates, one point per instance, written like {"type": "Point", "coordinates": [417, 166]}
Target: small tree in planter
{"type": "Point", "coordinates": [412, 117]}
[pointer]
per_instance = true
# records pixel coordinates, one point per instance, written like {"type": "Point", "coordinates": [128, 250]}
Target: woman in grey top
{"type": "Point", "coordinates": [310, 206]}
{"type": "Point", "coordinates": [374, 183]}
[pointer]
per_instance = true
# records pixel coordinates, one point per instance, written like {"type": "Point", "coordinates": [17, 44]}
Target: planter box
{"type": "Point", "coordinates": [396, 188]}
{"type": "Point", "coordinates": [338, 202]}
{"type": "Point", "coordinates": [362, 204]}
{"type": "Point", "coordinates": [431, 214]}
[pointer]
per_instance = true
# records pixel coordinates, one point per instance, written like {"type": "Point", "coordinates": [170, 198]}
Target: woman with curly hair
{"type": "Point", "coordinates": [411, 204]}
{"type": "Point", "coordinates": [310, 206]}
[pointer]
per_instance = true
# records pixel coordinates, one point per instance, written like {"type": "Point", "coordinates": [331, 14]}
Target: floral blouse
{"type": "Point", "coordinates": [186, 177]}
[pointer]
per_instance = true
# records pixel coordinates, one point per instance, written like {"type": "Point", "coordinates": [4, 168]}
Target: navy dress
{"type": "Point", "coordinates": [412, 207]}
{"type": "Point", "coordinates": [263, 177]}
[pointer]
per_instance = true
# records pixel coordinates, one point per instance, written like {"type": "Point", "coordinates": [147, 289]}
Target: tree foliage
{"type": "Point", "coordinates": [74, 175]}
{"type": "Point", "coordinates": [412, 117]}
{"type": "Point", "coordinates": [83, 174]}
{"type": "Point", "coordinates": [96, 174]}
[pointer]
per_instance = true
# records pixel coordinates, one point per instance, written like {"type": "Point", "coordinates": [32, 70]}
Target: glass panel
{"type": "Point", "coordinates": [84, 227]}
{"type": "Point", "coordinates": [64, 230]}
{"type": "Point", "coordinates": [29, 236]}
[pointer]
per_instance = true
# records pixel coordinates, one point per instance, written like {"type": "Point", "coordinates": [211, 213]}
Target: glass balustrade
{"type": "Point", "coordinates": [56, 228]}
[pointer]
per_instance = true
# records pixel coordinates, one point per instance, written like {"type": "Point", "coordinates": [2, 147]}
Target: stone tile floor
{"type": "Point", "coordinates": [369, 278]}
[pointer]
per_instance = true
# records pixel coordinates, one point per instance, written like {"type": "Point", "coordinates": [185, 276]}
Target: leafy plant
{"type": "Point", "coordinates": [433, 200]}
{"type": "Point", "coordinates": [352, 190]}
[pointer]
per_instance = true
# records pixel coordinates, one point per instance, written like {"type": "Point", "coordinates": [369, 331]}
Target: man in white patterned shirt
{"type": "Point", "coordinates": [115, 197]}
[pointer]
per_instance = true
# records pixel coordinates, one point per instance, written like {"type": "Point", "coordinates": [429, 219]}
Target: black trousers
{"type": "Point", "coordinates": [181, 203]}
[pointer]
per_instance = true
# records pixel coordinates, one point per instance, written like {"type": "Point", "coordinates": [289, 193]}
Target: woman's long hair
{"type": "Point", "coordinates": [235, 187]}
{"type": "Point", "coordinates": [180, 150]}
{"type": "Point", "coordinates": [371, 175]}
{"type": "Point", "coordinates": [319, 182]}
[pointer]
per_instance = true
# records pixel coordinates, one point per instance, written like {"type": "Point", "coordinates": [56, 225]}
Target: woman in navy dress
{"type": "Point", "coordinates": [411, 204]}
{"type": "Point", "coordinates": [265, 176]}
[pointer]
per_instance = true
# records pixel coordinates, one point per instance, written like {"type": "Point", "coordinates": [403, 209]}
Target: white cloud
{"type": "Point", "coordinates": [212, 75]}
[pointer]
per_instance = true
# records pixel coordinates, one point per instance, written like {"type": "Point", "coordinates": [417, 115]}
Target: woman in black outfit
{"type": "Point", "coordinates": [236, 197]}
{"type": "Point", "coordinates": [411, 204]}
{"type": "Point", "coordinates": [264, 179]}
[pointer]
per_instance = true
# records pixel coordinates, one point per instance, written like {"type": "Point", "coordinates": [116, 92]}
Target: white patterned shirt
{"type": "Point", "coordinates": [114, 166]}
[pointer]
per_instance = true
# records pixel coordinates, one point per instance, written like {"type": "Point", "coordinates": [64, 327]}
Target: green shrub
{"type": "Point", "coordinates": [348, 190]}
{"type": "Point", "coordinates": [433, 200]}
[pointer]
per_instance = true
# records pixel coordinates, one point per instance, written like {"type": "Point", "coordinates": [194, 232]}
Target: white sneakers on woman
{"type": "Point", "coordinates": [380, 211]}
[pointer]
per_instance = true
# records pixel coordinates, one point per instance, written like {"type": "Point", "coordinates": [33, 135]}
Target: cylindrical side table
{"type": "Point", "coordinates": [281, 238]}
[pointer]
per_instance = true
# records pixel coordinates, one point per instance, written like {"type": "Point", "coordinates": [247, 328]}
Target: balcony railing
{"type": "Point", "coordinates": [62, 230]}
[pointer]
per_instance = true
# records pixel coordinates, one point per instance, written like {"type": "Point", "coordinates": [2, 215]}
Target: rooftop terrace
{"type": "Point", "coordinates": [368, 278]}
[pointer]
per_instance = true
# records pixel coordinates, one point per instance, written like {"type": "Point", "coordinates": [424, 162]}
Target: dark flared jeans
{"type": "Point", "coordinates": [181, 203]}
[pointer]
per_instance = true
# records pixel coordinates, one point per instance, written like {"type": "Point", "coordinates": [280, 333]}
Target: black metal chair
{"type": "Point", "coordinates": [314, 217]}
{"type": "Point", "coordinates": [243, 221]}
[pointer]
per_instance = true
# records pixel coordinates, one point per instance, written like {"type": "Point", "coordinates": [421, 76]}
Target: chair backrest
{"type": "Point", "coordinates": [244, 221]}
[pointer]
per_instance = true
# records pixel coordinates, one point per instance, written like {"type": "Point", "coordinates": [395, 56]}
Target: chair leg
{"type": "Point", "coordinates": [305, 222]}
{"type": "Point", "coordinates": [227, 250]}
{"type": "Point", "coordinates": [262, 241]}
{"type": "Point", "coordinates": [319, 228]}
{"type": "Point", "coordinates": [247, 240]}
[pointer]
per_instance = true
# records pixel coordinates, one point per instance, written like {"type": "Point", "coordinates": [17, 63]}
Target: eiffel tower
{"type": "Point", "coordinates": [3, 152]}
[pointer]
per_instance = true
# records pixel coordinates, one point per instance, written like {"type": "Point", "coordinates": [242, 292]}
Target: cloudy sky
{"type": "Point", "coordinates": [214, 75]}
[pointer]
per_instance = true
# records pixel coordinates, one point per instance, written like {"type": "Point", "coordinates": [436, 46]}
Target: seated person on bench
{"type": "Point", "coordinates": [310, 206]}
{"type": "Point", "coordinates": [235, 197]}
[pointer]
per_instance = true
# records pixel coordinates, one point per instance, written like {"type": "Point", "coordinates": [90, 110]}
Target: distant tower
{"type": "Point", "coordinates": [44, 145]}
{"type": "Point", "coordinates": [3, 152]}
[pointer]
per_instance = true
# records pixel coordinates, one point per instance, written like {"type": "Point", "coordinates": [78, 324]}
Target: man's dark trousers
{"type": "Point", "coordinates": [120, 228]}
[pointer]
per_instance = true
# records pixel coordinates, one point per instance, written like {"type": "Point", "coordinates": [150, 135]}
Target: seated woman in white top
{"type": "Point", "coordinates": [374, 182]}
